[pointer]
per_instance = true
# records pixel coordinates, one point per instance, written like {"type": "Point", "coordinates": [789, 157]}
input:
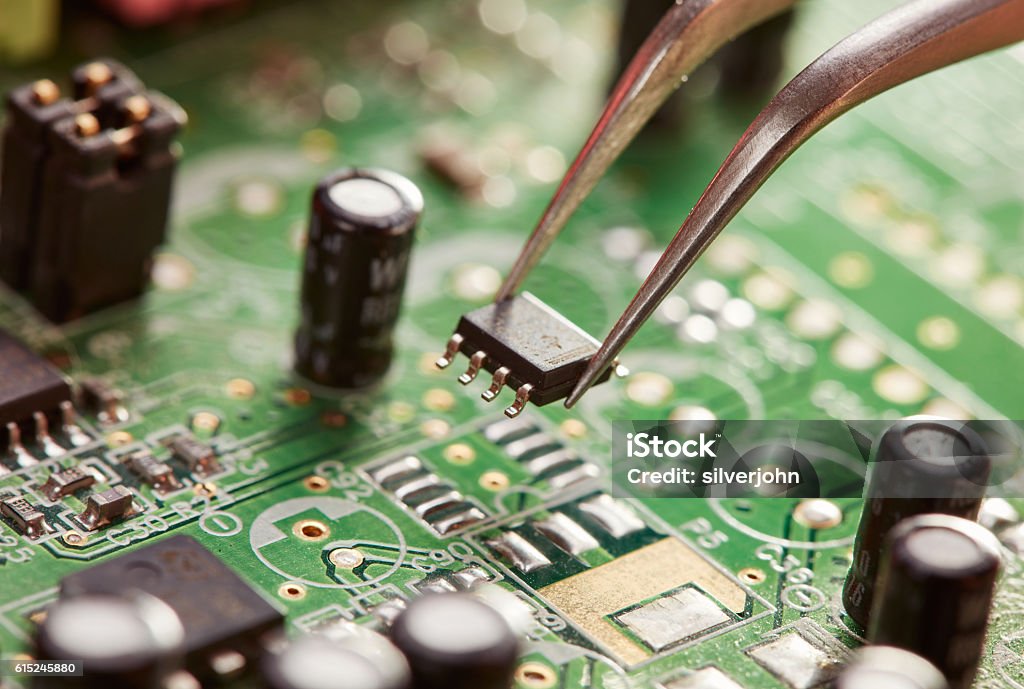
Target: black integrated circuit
{"type": "Point", "coordinates": [527, 346]}
{"type": "Point", "coordinates": [28, 384]}
{"type": "Point", "coordinates": [220, 613]}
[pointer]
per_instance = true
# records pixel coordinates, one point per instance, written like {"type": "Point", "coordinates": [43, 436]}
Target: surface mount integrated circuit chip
{"type": "Point", "coordinates": [28, 383]}
{"type": "Point", "coordinates": [218, 610]}
{"type": "Point", "coordinates": [527, 346]}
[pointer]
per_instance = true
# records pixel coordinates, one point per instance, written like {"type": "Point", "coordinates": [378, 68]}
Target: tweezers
{"type": "Point", "coordinates": [910, 41]}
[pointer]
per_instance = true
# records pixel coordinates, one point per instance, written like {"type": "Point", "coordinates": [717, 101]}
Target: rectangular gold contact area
{"type": "Point", "coordinates": [637, 604]}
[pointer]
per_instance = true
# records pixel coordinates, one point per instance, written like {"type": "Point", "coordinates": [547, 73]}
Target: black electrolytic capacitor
{"type": "Point", "coordinates": [921, 466]}
{"type": "Point", "coordinates": [361, 231]}
{"type": "Point", "coordinates": [935, 591]}
{"type": "Point", "coordinates": [456, 641]}
{"type": "Point", "coordinates": [887, 667]}
{"type": "Point", "coordinates": [122, 642]}
{"type": "Point", "coordinates": [368, 661]}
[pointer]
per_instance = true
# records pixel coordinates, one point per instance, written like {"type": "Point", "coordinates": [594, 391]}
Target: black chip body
{"type": "Point", "coordinates": [218, 610]}
{"type": "Point", "coordinates": [28, 383]}
{"type": "Point", "coordinates": [535, 342]}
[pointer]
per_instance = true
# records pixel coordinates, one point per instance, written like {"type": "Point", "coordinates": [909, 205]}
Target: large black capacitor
{"type": "Point", "coordinates": [887, 667]}
{"type": "Point", "coordinates": [935, 591]}
{"type": "Point", "coordinates": [367, 660]}
{"type": "Point", "coordinates": [122, 642]}
{"type": "Point", "coordinates": [921, 466]}
{"type": "Point", "coordinates": [456, 641]}
{"type": "Point", "coordinates": [360, 235]}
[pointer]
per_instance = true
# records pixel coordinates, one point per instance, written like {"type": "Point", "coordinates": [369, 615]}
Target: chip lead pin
{"type": "Point", "coordinates": [476, 361]}
{"type": "Point", "coordinates": [70, 426]}
{"type": "Point", "coordinates": [21, 455]}
{"type": "Point", "coordinates": [43, 437]}
{"type": "Point", "coordinates": [522, 397]}
{"type": "Point", "coordinates": [497, 382]}
{"type": "Point", "coordinates": [450, 351]}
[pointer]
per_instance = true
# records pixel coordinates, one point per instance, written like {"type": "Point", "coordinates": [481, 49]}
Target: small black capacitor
{"type": "Point", "coordinates": [122, 642]}
{"type": "Point", "coordinates": [887, 667]}
{"type": "Point", "coordinates": [921, 466]}
{"type": "Point", "coordinates": [935, 591]}
{"type": "Point", "coordinates": [456, 641]}
{"type": "Point", "coordinates": [361, 232]}
{"type": "Point", "coordinates": [368, 661]}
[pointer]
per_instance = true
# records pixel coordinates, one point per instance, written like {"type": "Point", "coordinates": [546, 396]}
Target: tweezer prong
{"type": "Point", "coordinates": [912, 40]}
{"type": "Point", "coordinates": [689, 33]}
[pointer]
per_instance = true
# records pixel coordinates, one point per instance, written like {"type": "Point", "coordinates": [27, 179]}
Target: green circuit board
{"type": "Point", "coordinates": [882, 263]}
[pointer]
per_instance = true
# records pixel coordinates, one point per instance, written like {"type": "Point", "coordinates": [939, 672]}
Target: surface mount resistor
{"type": "Point", "coordinates": [107, 506]}
{"type": "Point", "coordinates": [66, 482]}
{"type": "Point", "coordinates": [361, 229]}
{"type": "Point", "coordinates": [28, 520]}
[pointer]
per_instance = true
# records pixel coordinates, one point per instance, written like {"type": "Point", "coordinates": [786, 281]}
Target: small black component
{"type": "Point", "coordinates": [32, 110]}
{"type": "Point", "coordinates": [218, 610]}
{"type": "Point", "coordinates": [887, 667]}
{"type": "Point", "coordinates": [105, 401]}
{"type": "Point", "coordinates": [90, 190]}
{"type": "Point", "coordinates": [28, 384]}
{"type": "Point", "coordinates": [65, 482]}
{"type": "Point", "coordinates": [197, 456]}
{"type": "Point", "coordinates": [361, 229]}
{"type": "Point", "coordinates": [527, 345]}
{"type": "Point", "coordinates": [131, 641]}
{"type": "Point", "coordinates": [154, 472]}
{"type": "Point", "coordinates": [114, 188]}
{"type": "Point", "coordinates": [456, 641]}
{"type": "Point", "coordinates": [105, 507]}
{"type": "Point", "coordinates": [26, 518]}
{"type": "Point", "coordinates": [321, 662]}
{"type": "Point", "coordinates": [935, 591]}
{"type": "Point", "coordinates": [920, 467]}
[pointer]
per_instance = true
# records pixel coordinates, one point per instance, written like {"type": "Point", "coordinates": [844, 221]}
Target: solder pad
{"type": "Point", "coordinates": [590, 598]}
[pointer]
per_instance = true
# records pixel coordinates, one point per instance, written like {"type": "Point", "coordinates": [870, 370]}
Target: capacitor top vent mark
{"type": "Point", "coordinates": [361, 229]}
